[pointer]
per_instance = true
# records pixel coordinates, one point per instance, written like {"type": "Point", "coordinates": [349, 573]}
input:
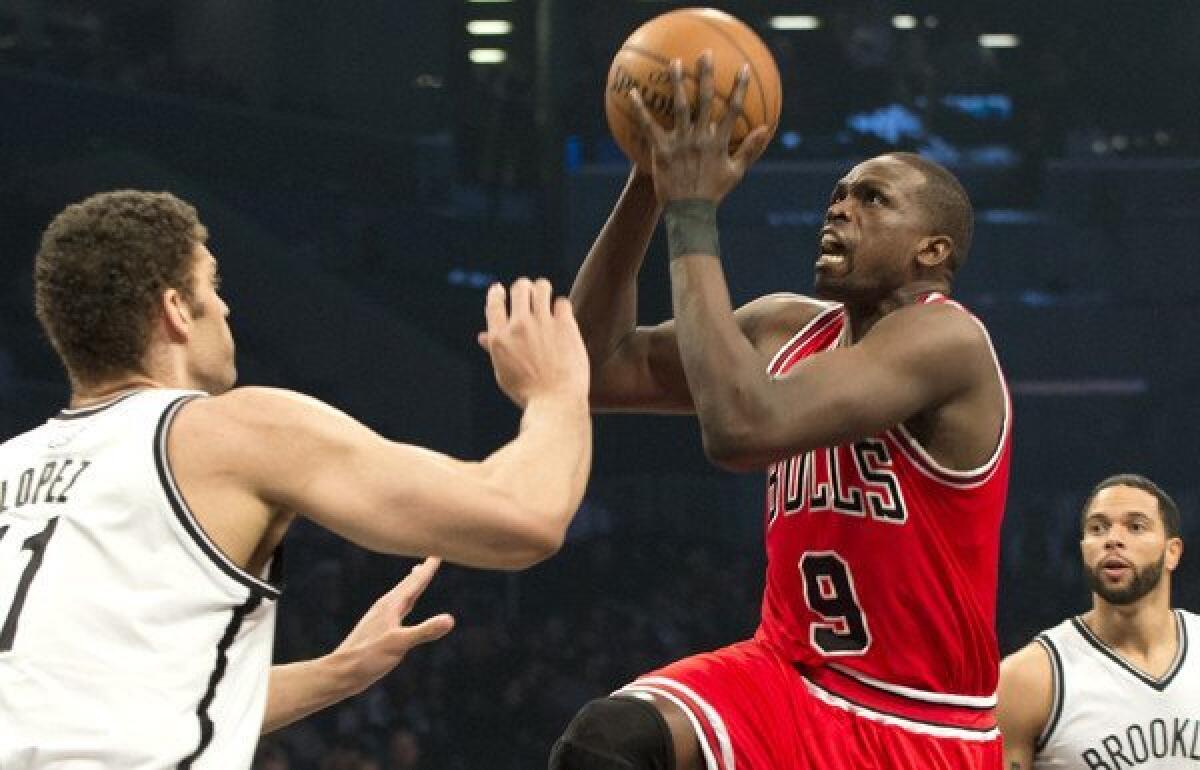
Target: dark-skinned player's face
{"type": "Point", "coordinates": [873, 227]}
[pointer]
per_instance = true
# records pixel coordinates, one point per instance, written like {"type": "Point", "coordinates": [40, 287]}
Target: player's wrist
{"type": "Point", "coordinates": [691, 227]}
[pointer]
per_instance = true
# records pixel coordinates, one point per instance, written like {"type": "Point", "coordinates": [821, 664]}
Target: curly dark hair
{"type": "Point", "coordinates": [101, 268]}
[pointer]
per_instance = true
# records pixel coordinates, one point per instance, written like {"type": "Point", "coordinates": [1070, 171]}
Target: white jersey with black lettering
{"type": "Point", "coordinates": [1109, 715]}
{"type": "Point", "coordinates": [128, 640]}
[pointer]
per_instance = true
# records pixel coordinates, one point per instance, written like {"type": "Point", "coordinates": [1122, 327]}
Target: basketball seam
{"type": "Point", "coordinates": [717, 95]}
{"type": "Point", "coordinates": [746, 57]}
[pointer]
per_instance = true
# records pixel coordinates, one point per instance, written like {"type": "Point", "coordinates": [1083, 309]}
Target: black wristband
{"type": "Point", "coordinates": [692, 228]}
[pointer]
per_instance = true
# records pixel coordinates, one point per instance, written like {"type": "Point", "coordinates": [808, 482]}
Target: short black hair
{"type": "Point", "coordinates": [1168, 511]}
{"type": "Point", "coordinates": [947, 204]}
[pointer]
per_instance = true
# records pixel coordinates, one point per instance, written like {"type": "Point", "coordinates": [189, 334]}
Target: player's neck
{"type": "Point", "coordinates": [89, 394]}
{"type": "Point", "coordinates": [1139, 628]}
{"type": "Point", "coordinates": [863, 316]}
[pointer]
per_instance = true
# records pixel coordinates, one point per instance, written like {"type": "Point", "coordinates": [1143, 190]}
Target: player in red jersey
{"type": "Point", "coordinates": [882, 419]}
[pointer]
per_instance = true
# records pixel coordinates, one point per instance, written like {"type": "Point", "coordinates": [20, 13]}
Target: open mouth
{"type": "Point", "coordinates": [832, 251]}
{"type": "Point", "coordinates": [1115, 569]}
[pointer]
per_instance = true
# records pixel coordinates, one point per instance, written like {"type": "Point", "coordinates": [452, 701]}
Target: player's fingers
{"type": "Point", "coordinates": [519, 297]}
{"type": "Point", "coordinates": [408, 590]}
{"type": "Point", "coordinates": [682, 110]}
{"type": "Point", "coordinates": [752, 147]}
{"type": "Point", "coordinates": [543, 292]}
{"type": "Point", "coordinates": [429, 630]}
{"type": "Point", "coordinates": [650, 128]}
{"type": "Point", "coordinates": [704, 90]}
{"type": "Point", "coordinates": [736, 99]}
{"type": "Point", "coordinates": [483, 340]}
{"type": "Point", "coordinates": [494, 311]}
{"type": "Point", "coordinates": [563, 309]}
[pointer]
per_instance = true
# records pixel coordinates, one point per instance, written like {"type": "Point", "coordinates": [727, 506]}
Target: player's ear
{"type": "Point", "coordinates": [934, 251]}
{"type": "Point", "coordinates": [1174, 553]}
{"type": "Point", "coordinates": [176, 313]}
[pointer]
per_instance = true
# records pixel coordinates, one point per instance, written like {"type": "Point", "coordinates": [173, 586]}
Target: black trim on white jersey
{"type": "Point", "coordinates": [207, 728]}
{"type": "Point", "coordinates": [88, 411]}
{"type": "Point", "coordinates": [188, 519]}
{"type": "Point", "coordinates": [1158, 684]}
{"type": "Point", "coordinates": [1058, 680]}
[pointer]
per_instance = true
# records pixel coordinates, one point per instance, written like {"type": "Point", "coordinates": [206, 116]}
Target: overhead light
{"type": "Point", "coordinates": [931, 21]}
{"type": "Point", "coordinates": [904, 21]}
{"type": "Point", "coordinates": [999, 40]}
{"type": "Point", "coordinates": [489, 27]}
{"type": "Point", "coordinates": [795, 22]}
{"type": "Point", "coordinates": [487, 55]}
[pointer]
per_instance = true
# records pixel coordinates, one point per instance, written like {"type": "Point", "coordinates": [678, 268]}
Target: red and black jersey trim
{"type": "Point", "coordinates": [971, 719]}
{"type": "Point", "coordinates": [814, 328]}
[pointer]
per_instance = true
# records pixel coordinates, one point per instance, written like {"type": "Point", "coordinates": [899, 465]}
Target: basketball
{"type": "Point", "coordinates": [644, 61]}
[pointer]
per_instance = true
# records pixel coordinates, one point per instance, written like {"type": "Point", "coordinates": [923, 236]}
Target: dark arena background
{"type": "Point", "coordinates": [367, 168]}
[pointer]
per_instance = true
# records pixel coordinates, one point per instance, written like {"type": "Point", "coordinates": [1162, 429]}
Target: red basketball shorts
{"type": "Point", "coordinates": [753, 710]}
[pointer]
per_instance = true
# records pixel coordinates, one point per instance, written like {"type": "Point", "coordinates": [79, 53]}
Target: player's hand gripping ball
{"type": "Point", "coordinates": [644, 63]}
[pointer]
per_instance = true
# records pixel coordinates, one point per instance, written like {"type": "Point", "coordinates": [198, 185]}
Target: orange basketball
{"type": "Point", "coordinates": [644, 63]}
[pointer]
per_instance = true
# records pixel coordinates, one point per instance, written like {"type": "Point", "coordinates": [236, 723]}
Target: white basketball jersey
{"type": "Point", "coordinates": [1108, 715]}
{"type": "Point", "coordinates": [127, 639]}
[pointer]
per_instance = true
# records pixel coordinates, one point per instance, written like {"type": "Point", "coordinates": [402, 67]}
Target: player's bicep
{"type": "Point", "coordinates": [910, 361]}
{"type": "Point", "coordinates": [398, 498]}
{"type": "Point", "coordinates": [644, 373]}
{"type": "Point", "coordinates": [305, 456]}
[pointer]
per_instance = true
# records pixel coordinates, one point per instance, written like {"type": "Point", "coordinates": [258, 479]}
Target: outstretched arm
{"type": "Point", "coordinates": [1025, 699]}
{"type": "Point", "coordinates": [260, 451]}
{"type": "Point", "coordinates": [376, 646]}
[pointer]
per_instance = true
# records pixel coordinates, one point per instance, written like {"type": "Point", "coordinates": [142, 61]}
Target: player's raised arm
{"type": "Point", "coordinates": [1024, 701]}
{"type": "Point", "coordinates": [633, 368]}
{"type": "Point", "coordinates": [511, 510]}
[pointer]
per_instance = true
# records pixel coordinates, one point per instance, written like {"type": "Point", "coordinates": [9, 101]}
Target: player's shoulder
{"type": "Point", "coordinates": [229, 416]}
{"type": "Point", "coordinates": [1026, 693]}
{"type": "Point", "coordinates": [781, 313]}
{"type": "Point", "coordinates": [944, 327]}
{"type": "Point", "coordinates": [1028, 667]}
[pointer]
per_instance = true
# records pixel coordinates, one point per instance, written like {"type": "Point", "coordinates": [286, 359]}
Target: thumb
{"type": "Point", "coordinates": [483, 339]}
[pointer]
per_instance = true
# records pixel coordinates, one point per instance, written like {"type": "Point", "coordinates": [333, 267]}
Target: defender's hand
{"type": "Point", "coordinates": [380, 641]}
{"type": "Point", "coordinates": [534, 343]}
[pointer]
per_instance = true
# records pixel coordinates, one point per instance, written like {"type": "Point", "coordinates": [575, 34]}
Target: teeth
{"type": "Point", "coordinates": [830, 260]}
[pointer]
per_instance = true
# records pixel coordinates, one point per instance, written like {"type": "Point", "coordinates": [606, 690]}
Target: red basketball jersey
{"type": "Point", "coordinates": [881, 564]}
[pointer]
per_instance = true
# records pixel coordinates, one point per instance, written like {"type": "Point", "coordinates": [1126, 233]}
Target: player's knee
{"type": "Point", "coordinates": [615, 734]}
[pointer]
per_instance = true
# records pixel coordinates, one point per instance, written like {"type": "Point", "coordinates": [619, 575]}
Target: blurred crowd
{"type": "Point", "coordinates": [528, 650]}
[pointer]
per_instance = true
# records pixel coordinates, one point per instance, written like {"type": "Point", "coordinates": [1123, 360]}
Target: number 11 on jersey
{"type": "Point", "coordinates": [35, 544]}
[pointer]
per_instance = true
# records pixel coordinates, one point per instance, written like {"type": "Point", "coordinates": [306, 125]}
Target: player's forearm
{"type": "Point", "coordinates": [545, 469]}
{"type": "Point", "coordinates": [724, 372]}
{"type": "Point", "coordinates": [604, 295]}
{"type": "Point", "coordinates": [299, 689]}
